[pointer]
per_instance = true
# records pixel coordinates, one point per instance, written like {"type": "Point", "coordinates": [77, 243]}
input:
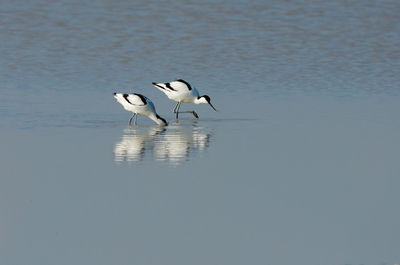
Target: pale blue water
{"type": "Point", "coordinates": [299, 166]}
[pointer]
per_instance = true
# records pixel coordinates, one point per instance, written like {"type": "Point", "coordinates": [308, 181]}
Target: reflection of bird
{"type": "Point", "coordinates": [179, 142]}
{"type": "Point", "coordinates": [139, 104]}
{"type": "Point", "coordinates": [172, 148]}
{"type": "Point", "coordinates": [171, 145]}
{"type": "Point", "coordinates": [182, 91]}
{"type": "Point", "coordinates": [135, 142]}
{"type": "Point", "coordinates": [130, 148]}
{"type": "Point", "coordinates": [200, 140]}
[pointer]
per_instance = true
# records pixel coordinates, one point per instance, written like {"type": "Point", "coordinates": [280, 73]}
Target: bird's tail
{"type": "Point", "coordinates": [120, 98]}
{"type": "Point", "coordinates": [159, 86]}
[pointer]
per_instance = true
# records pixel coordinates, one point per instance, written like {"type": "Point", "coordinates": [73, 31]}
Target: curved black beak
{"type": "Point", "coordinates": [212, 106]}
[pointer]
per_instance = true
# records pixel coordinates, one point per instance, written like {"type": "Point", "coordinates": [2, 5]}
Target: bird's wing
{"type": "Point", "coordinates": [135, 99]}
{"type": "Point", "coordinates": [176, 86]}
{"type": "Point", "coordinates": [180, 85]}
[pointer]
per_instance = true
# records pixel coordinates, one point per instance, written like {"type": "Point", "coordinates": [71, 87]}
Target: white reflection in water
{"type": "Point", "coordinates": [173, 144]}
{"type": "Point", "coordinates": [134, 143]}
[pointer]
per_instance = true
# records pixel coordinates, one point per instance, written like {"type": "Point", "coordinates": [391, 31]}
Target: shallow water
{"type": "Point", "coordinates": [300, 165]}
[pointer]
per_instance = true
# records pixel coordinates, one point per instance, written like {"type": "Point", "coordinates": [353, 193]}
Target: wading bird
{"type": "Point", "coordinates": [139, 104]}
{"type": "Point", "coordinates": [181, 91]}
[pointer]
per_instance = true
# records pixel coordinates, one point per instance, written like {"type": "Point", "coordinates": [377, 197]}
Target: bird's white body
{"type": "Point", "coordinates": [182, 92]}
{"type": "Point", "coordinates": [179, 91]}
{"type": "Point", "coordinates": [139, 104]}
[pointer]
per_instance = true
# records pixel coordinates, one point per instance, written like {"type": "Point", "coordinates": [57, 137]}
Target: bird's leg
{"type": "Point", "coordinates": [195, 114]}
{"type": "Point", "coordinates": [178, 106]}
{"type": "Point", "coordinates": [176, 109]}
{"type": "Point", "coordinates": [135, 120]}
{"type": "Point", "coordinates": [191, 111]}
{"type": "Point", "coordinates": [130, 120]}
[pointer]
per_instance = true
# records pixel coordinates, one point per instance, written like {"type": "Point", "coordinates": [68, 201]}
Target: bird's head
{"type": "Point", "coordinates": [205, 100]}
{"type": "Point", "coordinates": [161, 121]}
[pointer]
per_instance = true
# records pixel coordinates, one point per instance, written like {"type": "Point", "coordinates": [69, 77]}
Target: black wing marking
{"type": "Point", "coordinates": [186, 83]}
{"type": "Point", "coordinates": [157, 85]}
{"type": "Point", "coordinates": [142, 98]}
{"type": "Point", "coordinates": [126, 98]}
{"type": "Point", "coordinates": [168, 85]}
{"type": "Point", "coordinates": [135, 99]}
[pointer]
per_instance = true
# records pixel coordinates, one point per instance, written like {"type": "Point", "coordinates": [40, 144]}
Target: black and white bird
{"type": "Point", "coordinates": [181, 91]}
{"type": "Point", "coordinates": [139, 104]}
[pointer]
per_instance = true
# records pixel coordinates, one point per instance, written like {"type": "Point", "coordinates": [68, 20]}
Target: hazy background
{"type": "Point", "coordinates": [299, 166]}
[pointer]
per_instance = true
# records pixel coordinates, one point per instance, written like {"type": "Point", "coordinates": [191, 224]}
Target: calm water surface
{"type": "Point", "coordinates": [299, 166]}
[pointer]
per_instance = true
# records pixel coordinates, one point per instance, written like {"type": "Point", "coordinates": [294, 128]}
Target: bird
{"type": "Point", "coordinates": [181, 91]}
{"type": "Point", "coordinates": [139, 104]}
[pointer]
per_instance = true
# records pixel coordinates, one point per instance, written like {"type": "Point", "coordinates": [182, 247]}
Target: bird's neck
{"type": "Point", "coordinates": [199, 100]}
{"type": "Point", "coordinates": [157, 119]}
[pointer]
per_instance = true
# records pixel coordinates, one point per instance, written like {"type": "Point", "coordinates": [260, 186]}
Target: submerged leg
{"type": "Point", "coordinates": [130, 120]}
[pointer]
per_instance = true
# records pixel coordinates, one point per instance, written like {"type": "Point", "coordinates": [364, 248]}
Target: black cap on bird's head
{"type": "Point", "coordinates": [208, 101]}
